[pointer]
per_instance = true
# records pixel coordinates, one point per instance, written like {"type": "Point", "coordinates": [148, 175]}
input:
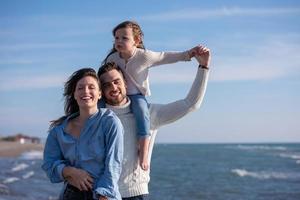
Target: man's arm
{"type": "Point", "coordinates": [164, 114]}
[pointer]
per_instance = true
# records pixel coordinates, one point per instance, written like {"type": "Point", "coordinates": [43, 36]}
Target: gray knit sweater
{"type": "Point", "coordinates": [133, 180]}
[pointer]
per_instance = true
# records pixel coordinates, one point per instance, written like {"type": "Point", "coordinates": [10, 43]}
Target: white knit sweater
{"type": "Point", "coordinates": [133, 180]}
{"type": "Point", "coordinates": [137, 67]}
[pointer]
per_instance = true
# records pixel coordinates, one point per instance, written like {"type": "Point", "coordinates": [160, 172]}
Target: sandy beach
{"type": "Point", "coordinates": [15, 149]}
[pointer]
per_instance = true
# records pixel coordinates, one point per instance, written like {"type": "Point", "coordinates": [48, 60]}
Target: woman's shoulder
{"type": "Point", "coordinates": [107, 113]}
{"type": "Point", "coordinates": [109, 117]}
{"type": "Point", "coordinates": [57, 129]}
{"type": "Point", "coordinates": [63, 122]}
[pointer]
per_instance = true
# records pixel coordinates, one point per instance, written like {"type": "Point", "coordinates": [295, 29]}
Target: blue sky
{"type": "Point", "coordinates": [253, 92]}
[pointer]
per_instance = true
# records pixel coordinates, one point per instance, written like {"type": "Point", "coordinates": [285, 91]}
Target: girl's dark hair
{"type": "Point", "coordinates": [137, 32]}
{"type": "Point", "coordinates": [70, 105]}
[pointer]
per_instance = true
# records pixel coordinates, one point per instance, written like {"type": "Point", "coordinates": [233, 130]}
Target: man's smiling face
{"type": "Point", "coordinates": [113, 88]}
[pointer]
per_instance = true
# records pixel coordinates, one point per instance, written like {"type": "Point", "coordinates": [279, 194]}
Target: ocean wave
{"type": "Point", "coordinates": [32, 155]}
{"type": "Point", "coordinates": [19, 167]}
{"type": "Point", "coordinates": [28, 175]}
{"type": "Point", "coordinates": [295, 156]}
{"type": "Point", "coordinates": [4, 189]}
{"type": "Point", "coordinates": [261, 147]}
{"type": "Point", "coordinates": [11, 180]}
{"type": "Point", "coordinates": [265, 174]}
{"type": "Point", "coordinates": [52, 198]}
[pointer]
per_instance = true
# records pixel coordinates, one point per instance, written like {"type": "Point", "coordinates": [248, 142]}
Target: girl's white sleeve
{"type": "Point", "coordinates": [160, 58]}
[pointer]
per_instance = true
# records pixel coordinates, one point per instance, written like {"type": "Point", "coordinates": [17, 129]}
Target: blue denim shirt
{"type": "Point", "coordinates": [98, 150]}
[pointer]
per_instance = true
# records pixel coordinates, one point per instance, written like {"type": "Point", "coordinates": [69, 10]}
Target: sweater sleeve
{"type": "Point", "coordinates": [167, 113]}
{"type": "Point", "coordinates": [160, 58]}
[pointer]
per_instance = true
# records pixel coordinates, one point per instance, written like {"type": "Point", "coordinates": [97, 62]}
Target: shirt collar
{"type": "Point", "coordinates": [123, 109]}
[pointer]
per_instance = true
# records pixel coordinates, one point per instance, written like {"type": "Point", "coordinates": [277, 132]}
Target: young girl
{"type": "Point", "coordinates": [86, 143]}
{"type": "Point", "coordinates": [131, 56]}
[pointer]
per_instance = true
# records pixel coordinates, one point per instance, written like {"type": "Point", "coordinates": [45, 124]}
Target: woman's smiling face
{"type": "Point", "coordinates": [87, 92]}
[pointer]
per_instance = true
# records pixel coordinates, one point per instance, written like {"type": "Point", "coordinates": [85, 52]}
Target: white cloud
{"type": "Point", "coordinates": [59, 25]}
{"type": "Point", "coordinates": [196, 14]}
{"type": "Point", "coordinates": [240, 72]}
{"type": "Point", "coordinates": [19, 61]}
{"type": "Point", "coordinates": [30, 46]}
{"type": "Point", "coordinates": [173, 73]}
{"type": "Point", "coordinates": [33, 82]}
{"type": "Point", "coordinates": [272, 59]}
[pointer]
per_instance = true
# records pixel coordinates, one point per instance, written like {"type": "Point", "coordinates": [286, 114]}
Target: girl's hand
{"type": "Point", "coordinates": [78, 178]}
{"type": "Point", "coordinates": [194, 51]}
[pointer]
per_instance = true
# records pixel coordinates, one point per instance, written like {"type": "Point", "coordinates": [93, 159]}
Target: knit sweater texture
{"type": "Point", "coordinates": [137, 67]}
{"type": "Point", "coordinates": [133, 180]}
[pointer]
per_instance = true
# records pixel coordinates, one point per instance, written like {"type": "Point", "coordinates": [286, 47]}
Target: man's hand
{"type": "Point", "coordinates": [203, 56]}
{"type": "Point", "coordinates": [78, 178]}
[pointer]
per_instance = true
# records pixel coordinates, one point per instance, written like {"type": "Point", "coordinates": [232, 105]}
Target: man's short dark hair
{"type": "Point", "coordinates": [108, 67]}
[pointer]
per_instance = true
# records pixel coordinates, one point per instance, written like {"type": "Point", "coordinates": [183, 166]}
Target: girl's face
{"type": "Point", "coordinates": [87, 92]}
{"type": "Point", "coordinates": [125, 42]}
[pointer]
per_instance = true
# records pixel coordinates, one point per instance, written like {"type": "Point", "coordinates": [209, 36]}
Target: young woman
{"type": "Point", "coordinates": [87, 141]}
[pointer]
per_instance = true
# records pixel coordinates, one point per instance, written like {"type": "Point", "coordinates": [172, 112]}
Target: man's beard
{"type": "Point", "coordinates": [115, 101]}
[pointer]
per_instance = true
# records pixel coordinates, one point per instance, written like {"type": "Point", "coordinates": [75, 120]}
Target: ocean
{"type": "Point", "coordinates": [184, 171]}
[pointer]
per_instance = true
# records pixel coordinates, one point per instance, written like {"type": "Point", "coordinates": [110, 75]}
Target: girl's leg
{"type": "Point", "coordinates": [139, 107]}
